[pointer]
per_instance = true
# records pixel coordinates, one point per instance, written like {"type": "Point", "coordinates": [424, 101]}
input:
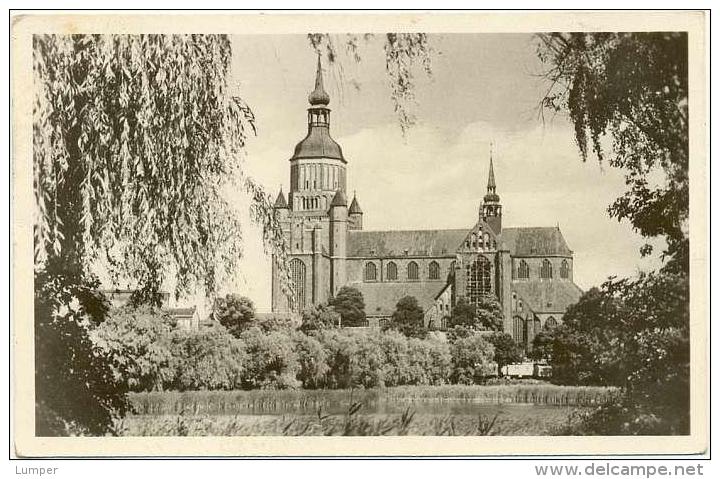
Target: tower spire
{"type": "Point", "coordinates": [491, 210]}
{"type": "Point", "coordinates": [319, 96]}
{"type": "Point", "coordinates": [491, 174]}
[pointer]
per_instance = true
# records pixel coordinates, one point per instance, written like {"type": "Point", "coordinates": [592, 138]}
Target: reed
{"type": "Point", "coordinates": [274, 402]}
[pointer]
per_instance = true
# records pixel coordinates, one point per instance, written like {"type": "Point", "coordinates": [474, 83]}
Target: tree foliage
{"type": "Point", "coordinates": [318, 317]}
{"type": "Point", "coordinates": [471, 359]}
{"type": "Point", "coordinates": [210, 358]}
{"type": "Point", "coordinates": [506, 350]}
{"type": "Point", "coordinates": [632, 88]}
{"type": "Point", "coordinates": [235, 312]}
{"type": "Point", "coordinates": [136, 139]}
{"type": "Point", "coordinates": [633, 334]}
{"type": "Point", "coordinates": [408, 318]}
{"type": "Point", "coordinates": [69, 365]}
{"type": "Point", "coordinates": [138, 342]}
{"type": "Point", "coordinates": [349, 304]}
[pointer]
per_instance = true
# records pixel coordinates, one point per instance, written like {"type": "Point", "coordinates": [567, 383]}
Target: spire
{"type": "Point", "coordinates": [280, 201]}
{"type": "Point", "coordinates": [355, 206]}
{"type": "Point", "coordinates": [339, 199]}
{"type": "Point", "coordinates": [491, 195]}
{"type": "Point", "coordinates": [319, 96]}
{"type": "Point", "coordinates": [491, 175]}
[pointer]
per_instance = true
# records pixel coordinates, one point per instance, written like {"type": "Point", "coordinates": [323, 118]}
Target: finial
{"type": "Point", "coordinates": [319, 96]}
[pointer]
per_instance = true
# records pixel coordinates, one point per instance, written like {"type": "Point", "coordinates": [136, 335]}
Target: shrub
{"type": "Point", "coordinates": [210, 358]}
{"type": "Point", "coordinates": [312, 361]}
{"type": "Point", "coordinates": [138, 342]}
{"type": "Point", "coordinates": [271, 361]}
{"type": "Point", "coordinates": [319, 317]}
{"type": "Point", "coordinates": [471, 359]}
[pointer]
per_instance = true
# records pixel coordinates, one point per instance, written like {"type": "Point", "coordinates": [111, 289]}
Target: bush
{"type": "Point", "coordinates": [210, 358]}
{"type": "Point", "coordinates": [471, 359]}
{"type": "Point", "coordinates": [312, 361]}
{"type": "Point", "coordinates": [138, 342]}
{"type": "Point", "coordinates": [271, 360]}
{"type": "Point", "coordinates": [319, 317]}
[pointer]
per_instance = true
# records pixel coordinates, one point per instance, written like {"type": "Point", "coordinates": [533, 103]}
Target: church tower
{"type": "Point", "coordinates": [317, 168]}
{"type": "Point", "coordinates": [491, 209]}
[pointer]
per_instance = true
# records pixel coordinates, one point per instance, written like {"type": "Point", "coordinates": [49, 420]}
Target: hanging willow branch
{"type": "Point", "coordinates": [404, 53]}
{"type": "Point", "coordinates": [135, 137]}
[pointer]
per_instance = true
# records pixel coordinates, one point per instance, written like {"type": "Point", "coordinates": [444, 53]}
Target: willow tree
{"type": "Point", "coordinates": [631, 89]}
{"type": "Point", "coordinates": [137, 140]}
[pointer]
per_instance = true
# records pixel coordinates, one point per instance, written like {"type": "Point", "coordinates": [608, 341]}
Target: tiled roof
{"type": "Point", "coordinates": [542, 241]}
{"type": "Point", "coordinates": [394, 243]}
{"type": "Point", "coordinates": [381, 298]}
{"type": "Point", "coordinates": [318, 144]}
{"type": "Point", "coordinates": [547, 296]}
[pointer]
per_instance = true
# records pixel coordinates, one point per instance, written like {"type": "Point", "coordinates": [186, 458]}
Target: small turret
{"type": "Point", "coordinates": [355, 215]}
{"type": "Point", "coordinates": [338, 240]}
{"type": "Point", "coordinates": [282, 210]}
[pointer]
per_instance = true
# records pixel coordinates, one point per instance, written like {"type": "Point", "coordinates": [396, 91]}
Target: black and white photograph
{"type": "Point", "coordinates": [382, 230]}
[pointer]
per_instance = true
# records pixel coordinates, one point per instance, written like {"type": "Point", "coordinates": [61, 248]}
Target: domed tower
{"type": "Point", "coordinates": [317, 168]}
{"type": "Point", "coordinates": [491, 209]}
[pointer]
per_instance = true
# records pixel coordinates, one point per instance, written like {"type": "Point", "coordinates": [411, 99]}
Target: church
{"type": "Point", "coordinates": [529, 269]}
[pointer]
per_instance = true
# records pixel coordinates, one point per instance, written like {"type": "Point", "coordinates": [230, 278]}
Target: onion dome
{"type": "Point", "coordinates": [280, 201]}
{"type": "Point", "coordinates": [339, 199]}
{"type": "Point", "coordinates": [319, 97]}
{"type": "Point", "coordinates": [355, 207]}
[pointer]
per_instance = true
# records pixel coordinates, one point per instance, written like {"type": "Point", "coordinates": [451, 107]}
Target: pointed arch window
{"type": "Point", "coordinates": [412, 270]}
{"type": "Point", "coordinates": [370, 272]}
{"type": "Point", "coordinates": [479, 279]}
{"type": "Point", "coordinates": [298, 275]}
{"type": "Point", "coordinates": [546, 269]}
{"type": "Point", "coordinates": [564, 269]}
{"type": "Point", "coordinates": [434, 270]}
{"type": "Point", "coordinates": [523, 270]}
{"type": "Point", "coordinates": [392, 271]}
{"type": "Point", "coordinates": [550, 323]}
{"type": "Point", "coordinates": [519, 330]}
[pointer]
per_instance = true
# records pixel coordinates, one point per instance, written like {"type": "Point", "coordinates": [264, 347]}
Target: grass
{"type": "Point", "coordinates": [272, 402]}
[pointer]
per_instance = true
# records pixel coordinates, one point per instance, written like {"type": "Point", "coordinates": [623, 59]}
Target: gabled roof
{"type": "Point", "coordinates": [396, 243]}
{"type": "Point", "coordinates": [548, 296]}
{"type": "Point", "coordinates": [543, 241]}
{"type": "Point", "coordinates": [381, 297]}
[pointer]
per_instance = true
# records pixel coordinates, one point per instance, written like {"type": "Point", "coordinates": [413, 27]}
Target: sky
{"type": "Point", "coordinates": [483, 88]}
